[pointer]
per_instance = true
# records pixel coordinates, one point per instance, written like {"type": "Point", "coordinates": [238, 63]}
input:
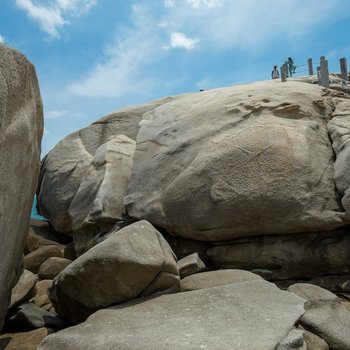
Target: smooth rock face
{"type": "Point", "coordinates": [339, 130]}
{"type": "Point", "coordinates": [99, 199]}
{"type": "Point", "coordinates": [217, 278]}
{"type": "Point", "coordinates": [324, 315]}
{"type": "Point", "coordinates": [235, 162]}
{"type": "Point", "coordinates": [65, 166]}
{"type": "Point", "coordinates": [302, 255]}
{"type": "Point", "coordinates": [21, 127]}
{"type": "Point", "coordinates": [222, 318]}
{"type": "Point", "coordinates": [131, 262]}
{"type": "Point", "coordinates": [24, 288]}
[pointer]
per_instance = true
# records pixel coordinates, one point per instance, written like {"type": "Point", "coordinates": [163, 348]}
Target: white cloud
{"type": "Point", "coordinates": [2, 40]}
{"type": "Point", "coordinates": [119, 71]}
{"type": "Point", "coordinates": [180, 40]}
{"type": "Point", "coordinates": [55, 114]}
{"type": "Point", "coordinates": [207, 3]}
{"type": "Point", "coordinates": [52, 16]}
{"type": "Point", "coordinates": [169, 3]}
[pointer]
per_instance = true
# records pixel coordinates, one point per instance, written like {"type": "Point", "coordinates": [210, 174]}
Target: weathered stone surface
{"type": "Point", "coordinates": [21, 127]}
{"type": "Point", "coordinates": [260, 151]}
{"type": "Point", "coordinates": [24, 288]}
{"type": "Point", "coordinates": [324, 315]}
{"type": "Point", "coordinates": [65, 166]}
{"type": "Point", "coordinates": [313, 342]}
{"type": "Point", "coordinates": [41, 297]}
{"type": "Point", "coordinates": [30, 316]}
{"type": "Point", "coordinates": [217, 318]}
{"type": "Point", "coordinates": [43, 232]}
{"type": "Point", "coordinates": [297, 256]}
{"type": "Point", "coordinates": [293, 341]}
{"type": "Point", "coordinates": [98, 201]}
{"type": "Point", "coordinates": [217, 278]}
{"type": "Point", "coordinates": [23, 341]}
{"type": "Point", "coordinates": [33, 260]}
{"type": "Point", "coordinates": [339, 130]}
{"type": "Point", "coordinates": [190, 264]}
{"type": "Point", "coordinates": [131, 262]}
{"type": "Point", "coordinates": [51, 267]}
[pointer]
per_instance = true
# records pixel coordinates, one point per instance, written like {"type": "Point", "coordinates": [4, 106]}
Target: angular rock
{"type": "Point", "coordinates": [24, 289]}
{"type": "Point", "coordinates": [190, 264]}
{"type": "Point", "coordinates": [98, 202]}
{"type": "Point", "coordinates": [293, 341]}
{"type": "Point", "coordinates": [51, 267]}
{"type": "Point", "coordinates": [298, 256]}
{"type": "Point", "coordinates": [258, 151]}
{"type": "Point", "coordinates": [216, 318]}
{"type": "Point", "coordinates": [324, 315]}
{"type": "Point", "coordinates": [23, 341]}
{"type": "Point", "coordinates": [41, 297]}
{"type": "Point", "coordinates": [33, 260]}
{"type": "Point", "coordinates": [21, 128]}
{"type": "Point", "coordinates": [64, 167]}
{"type": "Point", "coordinates": [29, 316]}
{"type": "Point", "coordinates": [131, 262]}
{"type": "Point", "coordinates": [217, 278]}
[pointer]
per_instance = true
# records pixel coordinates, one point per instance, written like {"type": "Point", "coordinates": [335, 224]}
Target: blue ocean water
{"type": "Point", "coordinates": [35, 214]}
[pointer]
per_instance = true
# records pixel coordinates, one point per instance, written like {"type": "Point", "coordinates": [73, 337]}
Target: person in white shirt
{"type": "Point", "coordinates": [275, 73]}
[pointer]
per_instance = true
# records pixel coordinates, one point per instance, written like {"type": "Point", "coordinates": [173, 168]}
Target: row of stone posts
{"type": "Point", "coordinates": [322, 71]}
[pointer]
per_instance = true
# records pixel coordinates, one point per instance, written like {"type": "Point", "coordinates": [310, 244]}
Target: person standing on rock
{"type": "Point", "coordinates": [291, 66]}
{"type": "Point", "coordinates": [275, 73]}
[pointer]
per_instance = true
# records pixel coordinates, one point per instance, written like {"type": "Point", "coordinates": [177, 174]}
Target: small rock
{"type": "Point", "coordinates": [345, 287]}
{"type": "Point", "coordinates": [29, 316]}
{"type": "Point", "coordinates": [313, 342]}
{"type": "Point", "coordinates": [33, 260]}
{"type": "Point", "coordinates": [41, 298]}
{"type": "Point", "coordinates": [24, 289]}
{"type": "Point", "coordinates": [50, 268]}
{"type": "Point", "coordinates": [190, 264]}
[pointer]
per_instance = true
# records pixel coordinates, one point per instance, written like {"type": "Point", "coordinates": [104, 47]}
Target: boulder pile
{"type": "Point", "coordinates": [213, 220]}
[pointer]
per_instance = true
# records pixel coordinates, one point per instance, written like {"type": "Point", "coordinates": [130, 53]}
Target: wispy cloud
{"type": "Point", "coordinates": [180, 40]}
{"type": "Point", "coordinates": [120, 69]}
{"type": "Point", "coordinates": [52, 16]}
{"type": "Point", "coordinates": [207, 3]}
{"type": "Point", "coordinates": [2, 40]}
{"type": "Point", "coordinates": [55, 114]}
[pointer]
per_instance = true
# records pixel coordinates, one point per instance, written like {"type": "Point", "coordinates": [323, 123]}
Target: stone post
{"type": "Point", "coordinates": [309, 63]}
{"type": "Point", "coordinates": [324, 72]}
{"type": "Point", "coordinates": [344, 71]}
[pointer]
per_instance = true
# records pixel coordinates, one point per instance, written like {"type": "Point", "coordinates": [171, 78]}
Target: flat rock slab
{"type": "Point", "coordinates": [253, 315]}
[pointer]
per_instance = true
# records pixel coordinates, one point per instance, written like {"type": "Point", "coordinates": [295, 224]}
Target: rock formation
{"type": "Point", "coordinates": [21, 127]}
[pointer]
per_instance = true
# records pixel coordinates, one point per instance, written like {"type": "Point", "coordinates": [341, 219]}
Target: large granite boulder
{"type": "Point", "coordinates": [235, 162]}
{"type": "Point", "coordinates": [252, 315]}
{"type": "Point", "coordinates": [21, 127]}
{"type": "Point", "coordinates": [295, 256]}
{"type": "Point", "coordinates": [68, 167]}
{"type": "Point", "coordinates": [131, 262]}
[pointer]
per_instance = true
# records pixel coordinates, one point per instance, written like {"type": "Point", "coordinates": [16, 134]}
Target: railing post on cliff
{"type": "Point", "coordinates": [283, 73]}
{"type": "Point", "coordinates": [344, 71]}
{"type": "Point", "coordinates": [324, 74]}
{"type": "Point", "coordinates": [309, 63]}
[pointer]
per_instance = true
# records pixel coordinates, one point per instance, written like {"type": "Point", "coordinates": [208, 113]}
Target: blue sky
{"type": "Point", "coordinates": [96, 56]}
